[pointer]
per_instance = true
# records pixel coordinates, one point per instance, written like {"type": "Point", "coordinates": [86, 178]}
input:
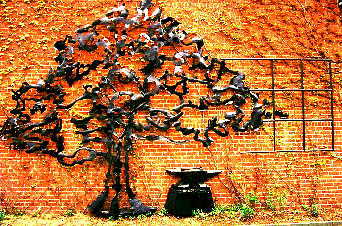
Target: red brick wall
{"type": "Point", "coordinates": [230, 29]}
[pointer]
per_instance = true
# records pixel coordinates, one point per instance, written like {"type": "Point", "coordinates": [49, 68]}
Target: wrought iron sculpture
{"type": "Point", "coordinates": [114, 111]}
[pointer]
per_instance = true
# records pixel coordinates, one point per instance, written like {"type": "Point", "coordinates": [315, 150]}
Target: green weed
{"type": "Point", "coordinates": [247, 212]}
{"type": "Point", "coordinates": [2, 215]}
{"type": "Point", "coordinates": [69, 213]}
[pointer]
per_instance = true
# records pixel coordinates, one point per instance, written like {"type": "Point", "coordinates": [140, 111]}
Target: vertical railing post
{"type": "Point", "coordinates": [303, 101]}
{"type": "Point", "coordinates": [273, 106]}
{"type": "Point", "coordinates": [332, 108]}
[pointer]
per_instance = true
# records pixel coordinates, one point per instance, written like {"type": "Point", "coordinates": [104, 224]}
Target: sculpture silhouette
{"type": "Point", "coordinates": [113, 109]}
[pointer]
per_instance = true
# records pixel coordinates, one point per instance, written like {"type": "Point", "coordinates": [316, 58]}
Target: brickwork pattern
{"type": "Point", "coordinates": [29, 29]}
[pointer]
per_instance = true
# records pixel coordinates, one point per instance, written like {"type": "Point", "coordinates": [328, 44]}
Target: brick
{"type": "Point", "coordinates": [28, 178]}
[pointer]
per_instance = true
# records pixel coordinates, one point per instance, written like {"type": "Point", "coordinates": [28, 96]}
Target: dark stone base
{"type": "Point", "coordinates": [136, 209]}
{"type": "Point", "coordinates": [129, 212]}
{"type": "Point", "coordinates": [182, 200]}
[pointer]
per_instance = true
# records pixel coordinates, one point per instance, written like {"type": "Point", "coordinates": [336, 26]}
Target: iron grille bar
{"type": "Point", "coordinates": [265, 152]}
{"type": "Point", "coordinates": [273, 106]}
{"type": "Point", "coordinates": [287, 59]}
{"type": "Point", "coordinates": [298, 120]}
{"type": "Point", "coordinates": [284, 90]}
{"type": "Point", "coordinates": [303, 150]}
{"type": "Point", "coordinates": [332, 107]}
{"type": "Point", "coordinates": [303, 102]}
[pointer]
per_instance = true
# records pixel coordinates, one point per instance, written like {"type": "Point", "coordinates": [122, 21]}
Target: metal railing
{"type": "Point", "coordinates": [302, 90]}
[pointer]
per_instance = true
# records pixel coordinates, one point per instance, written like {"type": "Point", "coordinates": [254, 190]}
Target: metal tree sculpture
{"type": "Point", "coordinates": [113, 109]}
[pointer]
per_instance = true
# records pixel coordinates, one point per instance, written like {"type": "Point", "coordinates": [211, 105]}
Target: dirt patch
{"type": "Point", "coordinates": [227, 218]}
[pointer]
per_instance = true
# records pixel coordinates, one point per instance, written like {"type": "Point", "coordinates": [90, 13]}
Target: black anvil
{"type": "Point", "coordinates": [193, 176]}
{"type": "Point", "coordinates": [191, 193]}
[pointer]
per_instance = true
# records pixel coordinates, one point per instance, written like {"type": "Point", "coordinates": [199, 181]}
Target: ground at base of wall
{"type": "Point", "coordinates": [259, 218]}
